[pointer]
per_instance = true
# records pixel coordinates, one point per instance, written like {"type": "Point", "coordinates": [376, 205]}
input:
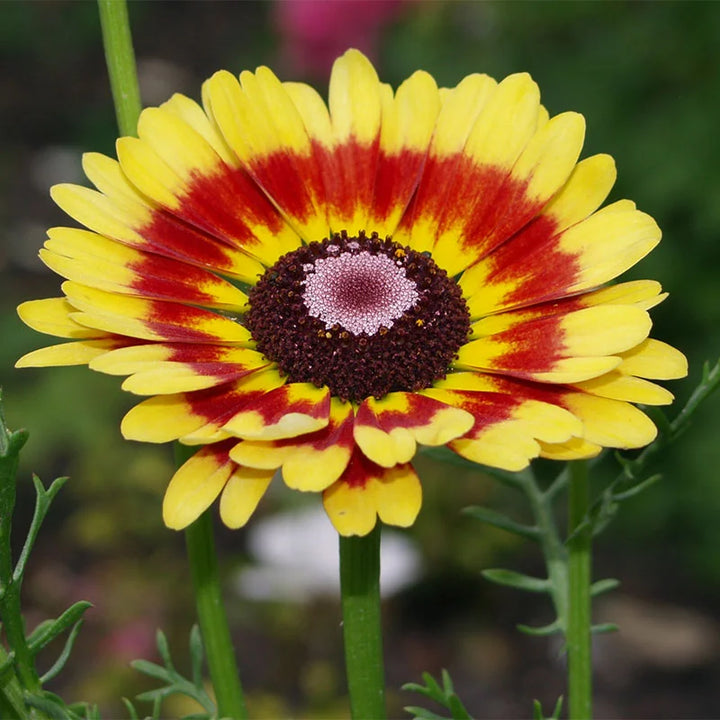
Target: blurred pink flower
{"type": "Point", "coordinates": [134, 639]}
{"type": "Point", "coordinates": [314, 32]}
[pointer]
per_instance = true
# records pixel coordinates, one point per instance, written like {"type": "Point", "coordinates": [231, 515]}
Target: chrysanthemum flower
{"type": "Point", "coordinates": [322, 288]}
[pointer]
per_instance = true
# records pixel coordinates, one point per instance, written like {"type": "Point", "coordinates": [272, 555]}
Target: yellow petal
{"type": "Point", "coordinates": [654, 359]}
{"type": "Point", "coordinates": [617, 386]}
{"type": "Point", "coordinates": [261, 455]}
{"type": "Point", "coordinates": [74, 353]}
{"type": "Point", "coordinates": [389, 429]}
{"type": "Point", "coordinates": [113, 218]}
{"type": "Point", "coordinates": [461, 106]}
{"type": "Point", "coordinates": [584, 192]}
{"type": "Point", "coordinates": [160, 419]}
{"type": "Point", "coordinates": [241, 495]}
{"type": "Point", "coordinates": [398, 496]}
{"type": "Point", "coordinates": [354, 98]}
{"type": "Point", "coordinates": [52, 316]}
{"type": "Point", "coordinates": [184, 150]}
{"type": "Point", "coordinates": [291, 410]}
{"type": "Point", "coordinates": [148, 172]}
{"type": "Point", "coordinates": [645, 294]}
{"type": "Point", "coordinates": [507, 446]}
{"type": "Point", "coordinates": [604, 330]}
{"type": "Point", "coordinates": [611, 423]}
{"type": "Point", "coordinates": [313, 472]}
{"type": "Point", "coordinates": [573, 449]}
{"type": "Point", "coordinates": [194, 487]}
{"type": "Point", "coordinates": [459, 111]}
{"type": "Point", "coordinates": [506, 122]}
{"type": "Point", "coordinates": [192, 114]}
{"type": "Point", "coordinates": [351, 511]}
{"type": "Point", "coordinates": [608, 243]}
{"type": "Point", "coordinates": [550, 156]}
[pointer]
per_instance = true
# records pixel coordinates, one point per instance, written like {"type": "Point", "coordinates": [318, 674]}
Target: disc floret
{"type": "Point", "coordinates": [361, 314]}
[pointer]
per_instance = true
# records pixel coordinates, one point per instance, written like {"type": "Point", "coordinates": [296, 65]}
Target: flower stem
{"type": "Point", "coordinates": [120, 59]}
{"type": "Point", "coordinates": [213, 621]}
{"type": "Point", "coordinates": [12, 702]}
{"type": "Point", "coordinates": [360, 590]}
{"type": "Point", "coordinates": [579, 640]}
{"type": "Point", "coordinates": [553, 548]}
{"type": "Point", "coordinates": [10, 611]}
{"type": "Point", "coordinates": [200, 544]}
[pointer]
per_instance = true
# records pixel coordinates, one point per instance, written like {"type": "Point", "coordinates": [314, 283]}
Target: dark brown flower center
{"type": "Point", "coordinates": [362, 315]}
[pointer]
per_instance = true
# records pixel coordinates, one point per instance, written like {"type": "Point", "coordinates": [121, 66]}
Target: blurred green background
{"type": "Point", "coordinates": [646, 76]}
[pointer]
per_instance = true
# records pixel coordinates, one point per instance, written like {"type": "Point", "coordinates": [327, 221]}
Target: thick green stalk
{"type": "Point", "coordinates": [213, 621]}
{"type": "Point", "coordinates": [360, 591]}
{"type": "Point", "coordinates": [579, 633]}
{"type": "Point", "coordinates": [120, 59]}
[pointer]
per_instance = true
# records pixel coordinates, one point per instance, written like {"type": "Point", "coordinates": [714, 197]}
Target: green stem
{"type": "Point", "coordinates": [10, 611]}
{"type": "Point", "coordinates": [120, 59]}
{"type": "Point", "coordinates": [553, 549]}
{"type": "Point", "coordinates": [15, 632]}
{"type": "Point", "coordinates": [7, 710]}
{"type": "Point", "coordinates": [579, 634]}
{"type": "Point", "coordinates": [213, 621]}
{"type": "Point", "coordinates": [200, 544]}
{"type": "Point", "coordinates": [12, 702]}
{"type": "Point", "coordinates": [360, 590]}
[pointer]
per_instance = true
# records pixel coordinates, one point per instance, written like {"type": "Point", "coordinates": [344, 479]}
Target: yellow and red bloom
{"type": "Point", "coordinates": [321, 288]}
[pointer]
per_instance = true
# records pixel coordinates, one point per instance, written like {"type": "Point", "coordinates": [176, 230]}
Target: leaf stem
{"type": "Point", "coordinates": [360, 590]}
{"type": "Point", "coordinates": [12, 702]}
{"type": "Point", "coordinates": [553, 550]}
{"type": "Point", "coordinates": [10, 611]}
{"type": "Point", "coordinates": [213, 621]}
{"type": "Point", "coordinates": [579, 637]}
{"type": "Point", "coordinates": [120, 59]}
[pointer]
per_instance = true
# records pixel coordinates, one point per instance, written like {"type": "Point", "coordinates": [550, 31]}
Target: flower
{"type": "Point", "coordinates": [322, 288]}
{"type": "Point", "coordinates": [314, 32]}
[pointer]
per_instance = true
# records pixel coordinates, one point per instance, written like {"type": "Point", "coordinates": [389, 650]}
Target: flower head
{"type": "Point", "coordinates": [322, 288]}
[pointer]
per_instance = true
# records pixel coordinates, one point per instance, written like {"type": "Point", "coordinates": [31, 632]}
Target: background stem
{"type": "Point", "coordinates": [553, 548]}
{"type": "Point", "coordinates": [579, 640]}
{"type": "Point", "coordinates": [360, 590]}
{"type": "Point", "coordinates": [12, 700]}
{"type": "Point", "coordinates": [120, 59]}
{"type": "Point", "coordinates": [213, 621]}
{"type": "Point", "coordinates": [10, 610]}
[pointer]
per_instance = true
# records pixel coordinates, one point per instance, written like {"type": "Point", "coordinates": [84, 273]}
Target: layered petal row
{"type": "Point", "coordinates": [248, 189]}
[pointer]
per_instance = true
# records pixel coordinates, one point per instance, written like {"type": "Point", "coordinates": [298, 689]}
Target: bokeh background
{"type": "Point", "coordinates": [646, 76]}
